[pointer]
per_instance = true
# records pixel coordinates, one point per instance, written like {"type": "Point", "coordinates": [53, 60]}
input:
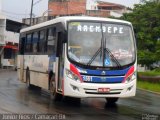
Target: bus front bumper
{"type": "Point", "coordinates": [80, 90]}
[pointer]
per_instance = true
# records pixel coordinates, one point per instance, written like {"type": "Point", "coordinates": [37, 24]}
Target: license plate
{"type": "Point", "coordinates": [103, 90]}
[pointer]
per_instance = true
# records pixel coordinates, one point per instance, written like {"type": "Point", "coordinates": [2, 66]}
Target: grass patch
{"type": "Point", "coordinates": [149, 73]}
{"type": "Point", "coordinates": [155, 87]}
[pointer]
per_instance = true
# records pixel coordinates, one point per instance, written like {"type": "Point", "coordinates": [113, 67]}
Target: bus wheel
{"type": "Point", "coordinates": [28, 79]}
{"type": "Point", "coordinates": [111, 100]}
{"type": "Point", "coordinates": [52, 87]}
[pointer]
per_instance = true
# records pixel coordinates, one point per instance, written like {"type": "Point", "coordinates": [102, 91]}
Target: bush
{"type": "Point", "coordinates": [157, 70]}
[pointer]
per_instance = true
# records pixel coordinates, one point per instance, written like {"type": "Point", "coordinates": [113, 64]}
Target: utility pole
{"type": "Point", "coordinates": [31, 13]}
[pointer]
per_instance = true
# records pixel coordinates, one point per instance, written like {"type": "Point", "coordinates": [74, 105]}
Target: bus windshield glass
{"type": "Point", "coordinates": [100, 44]}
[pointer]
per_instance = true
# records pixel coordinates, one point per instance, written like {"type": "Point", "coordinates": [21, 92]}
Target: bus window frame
{"type": "Point", "coordinates": [22, 42]}
{"type": "Point", "coordinates": [37, 47]}
{"type": "Point", "coordinates": [54, 34]}
{"type": "Point", "coordinates": [59, 28]}
{"type": "Point", "coordinates": [28, 50]}
{"type": "Point", "coordinates": [43, 42]}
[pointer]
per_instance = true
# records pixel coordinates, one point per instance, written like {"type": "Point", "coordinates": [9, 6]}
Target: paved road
{"type": "Point", "coordinates": [16, 98]}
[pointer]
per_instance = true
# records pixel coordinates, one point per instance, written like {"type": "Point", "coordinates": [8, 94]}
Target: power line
{"type": "Point", "coordinates": [12, 14]}
{"type": "Point", "coordinates": [8, 12]}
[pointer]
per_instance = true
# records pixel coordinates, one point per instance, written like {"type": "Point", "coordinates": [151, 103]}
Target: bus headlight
{"type": "Point", "coordinates": [72, 75]}
{"type": "Point", "coordinates": [131, 78]}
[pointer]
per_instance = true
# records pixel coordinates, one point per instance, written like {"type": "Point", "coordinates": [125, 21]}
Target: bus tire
{"type": "Point", "coordinates": [111, 100]}
{"type": "Point", "coordinates": [28, 78]}
{"type": "Point", "coordinates": [53, 93]}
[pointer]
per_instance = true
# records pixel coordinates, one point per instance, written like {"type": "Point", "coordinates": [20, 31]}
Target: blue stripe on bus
{"type": "Point", "coordinates": [107, 72]}
{"type": "Point", "coordinates": [96, 79]}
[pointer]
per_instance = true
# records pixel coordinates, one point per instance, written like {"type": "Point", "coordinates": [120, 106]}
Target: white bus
{"type": "Point", "coordinates": [80, 57]}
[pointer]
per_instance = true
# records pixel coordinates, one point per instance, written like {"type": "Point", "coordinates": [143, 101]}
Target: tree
{"type": "Point", "coordinates": [146, 22]}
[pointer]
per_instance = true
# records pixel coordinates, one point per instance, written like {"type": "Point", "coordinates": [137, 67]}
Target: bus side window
{"type": "Point", "coordinates": [42, 42]}
{"type": "Point", "coordinates": [28, 43]}
{"type": "Point", "coordinates": [35, 42]}
{"type": "Point", "coordinates": [51, 39]}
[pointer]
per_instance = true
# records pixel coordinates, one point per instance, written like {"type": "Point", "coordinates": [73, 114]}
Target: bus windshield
{"type": "Point", "coordinates": [100, 44]}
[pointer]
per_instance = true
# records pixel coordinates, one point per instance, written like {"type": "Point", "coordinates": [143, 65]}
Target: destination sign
{"type": "Point", "coordinates": [108, 29]}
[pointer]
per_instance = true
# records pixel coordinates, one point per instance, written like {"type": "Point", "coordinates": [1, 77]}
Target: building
{"type": "Point", "coordinates": [67, 7]}
{"type": "Point", "coordinates": [95, 8]}
{"type": "Point", "coordinates": [113, 9]}
{"type": "Point", "coordinates": [85, 7]}
{"type": "Point", "coordinates": [8, 42]}
{"type": "Point", "coordinates": [9, 37]}
{"type": "Point", "coordinates": [36, 20]}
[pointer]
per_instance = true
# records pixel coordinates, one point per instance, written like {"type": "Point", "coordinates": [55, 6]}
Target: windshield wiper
{"type": "Point", "coordinates": [95, 55]}
{"type": "Point", "coordinates": [102, 50]}
{"type": "Point", "coordinates": [112, 56]}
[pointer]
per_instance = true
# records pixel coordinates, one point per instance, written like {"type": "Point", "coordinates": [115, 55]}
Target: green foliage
{"type": "Point", "coordinates": [149, 86]}
{"type": "Point", "coordinates": [150, 73]}
{"type": "Point", "coordinates": [157, 70]}
{"type": "Point", "coordinates": [146, 22]}
{"type": "Point", "coordinates": [146, 57]}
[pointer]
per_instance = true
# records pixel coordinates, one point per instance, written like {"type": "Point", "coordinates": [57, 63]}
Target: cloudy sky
{"type": "Point", "coordinates": [17, 9]}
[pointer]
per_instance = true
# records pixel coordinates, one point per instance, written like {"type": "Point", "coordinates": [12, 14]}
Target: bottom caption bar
{"type": "Point", "coordinates": [32, 117]}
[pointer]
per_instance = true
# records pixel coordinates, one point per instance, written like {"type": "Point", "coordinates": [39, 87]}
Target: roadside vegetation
{"type": "Point", "coordinates": [149, 80]}
{"type": "Point", "coordinates": [155, 72]}
{"type": "Point", "coordinates": [149, 73]}
{"type": "Point", "coordinates": [145, 18]}
{"type": "Point", "coordinates": [155, 87]}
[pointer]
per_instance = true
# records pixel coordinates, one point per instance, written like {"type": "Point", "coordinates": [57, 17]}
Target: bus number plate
{"type": "Point", "coordinates": [103, 90]}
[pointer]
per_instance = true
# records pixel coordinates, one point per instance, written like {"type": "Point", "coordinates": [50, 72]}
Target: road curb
{"type": "Point", "coordinates": [149, 91]}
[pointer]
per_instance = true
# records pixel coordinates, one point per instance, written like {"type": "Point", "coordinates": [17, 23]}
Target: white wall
{"type": "Point", "coordinates": [116, 14]}
{"type": "Point", "coordinates": [2, 30]}
{"type": "Point", "coordinates": [91, 5]}
{"type": "Point", "coordinates": [11, 37]}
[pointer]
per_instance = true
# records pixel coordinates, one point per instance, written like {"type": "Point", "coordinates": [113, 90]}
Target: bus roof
{"type": "Point", "coordinates": [70, 18]}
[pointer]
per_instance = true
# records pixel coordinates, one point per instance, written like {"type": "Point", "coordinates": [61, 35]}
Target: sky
{"type": "Point", "coordinates": [21, 8]}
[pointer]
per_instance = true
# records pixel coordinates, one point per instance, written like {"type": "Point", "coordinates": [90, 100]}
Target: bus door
{"type": "Point", "coordinates": [60, 54]}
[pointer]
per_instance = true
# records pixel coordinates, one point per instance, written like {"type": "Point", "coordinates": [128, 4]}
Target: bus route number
{"type": "Point", "coordinates": [87, 78]}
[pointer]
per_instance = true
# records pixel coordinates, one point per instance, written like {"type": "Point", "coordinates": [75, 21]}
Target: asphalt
{"type": "Point", "coordinates": [16, 98]}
